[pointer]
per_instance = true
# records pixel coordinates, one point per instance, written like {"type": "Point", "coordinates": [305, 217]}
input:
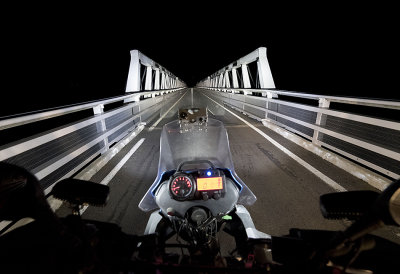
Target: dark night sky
{"type": "Point", "coordinates": [63, 56]}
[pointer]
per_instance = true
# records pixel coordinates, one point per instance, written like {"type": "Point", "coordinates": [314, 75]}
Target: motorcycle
{"type": "Point", "coordinates": [197, 193]}
{"type": "Point", "coordinates": [197, 196]}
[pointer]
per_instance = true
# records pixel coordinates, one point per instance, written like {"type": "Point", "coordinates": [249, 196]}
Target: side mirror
{"type": "Point", "coordinates": [373, 210]}
{"type": "Point", "coordinates": [355, 205]}
{"type": "Point", "coordinates": [351, 205]}
{"type": "Point", "coordinates": [79, 192]}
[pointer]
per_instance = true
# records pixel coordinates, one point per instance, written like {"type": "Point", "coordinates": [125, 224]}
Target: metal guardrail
{"type": "Point", "coordinates": [371, 141]}
{"type": "Point", "coordinates": [61, 152]}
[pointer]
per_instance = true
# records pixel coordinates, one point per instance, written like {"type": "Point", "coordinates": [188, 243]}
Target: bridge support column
{"type": "Point", "coordinates": [221, 80]}
{"type": "Point", "coordinates": [174, 83]}
{"type": "Point", "coordinates": [269, 95]}
{"type": "Point", "coordinates": [320, 120]}
{"type": "Point", "coordinates": [245, 74]}
{"type": "Point", "coordinates": [101, 125]}
{"type": "Point", "coordinates": [149, 76]}
{"type": "Point", "coordinates": [157, 80]}
{"type": "Point", "coordinates": [133, 83]}
{"type": "Point", "coordinates": [163, 80]}
{"type": "Point", "coordinates": [227, 81]}
{"type": "Point", "coordinates": [167, 81]}
{"type": "Point", "coordinates": [264, 71]}
{"type": "Point", "coordinates": [234, 78]}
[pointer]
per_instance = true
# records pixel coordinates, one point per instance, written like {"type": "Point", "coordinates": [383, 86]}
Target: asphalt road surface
{"type": "Point", "coordinates": [287, 193]}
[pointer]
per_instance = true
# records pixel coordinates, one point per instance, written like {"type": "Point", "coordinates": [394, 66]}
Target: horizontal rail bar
{"type": "Point", "coordinates": [344, 115]}
{"type": "Point", "coordinates": [346, 100]}
{"type": "Point", "coordinates": [49, 169]}
{"type": "Point", "coordinates": [355, 141]}
{"type": "Point", "coordinates": [30, 118]}
{"type": "Point", "coordinates": [239, 102]}
{"type": "Point", "coordinates": [362, 161]}
{"type": "Point", "coordinates": [24, 146]}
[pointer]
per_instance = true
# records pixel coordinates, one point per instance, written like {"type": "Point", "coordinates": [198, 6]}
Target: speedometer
{"type": "Point", "coordinates": [181, 186]}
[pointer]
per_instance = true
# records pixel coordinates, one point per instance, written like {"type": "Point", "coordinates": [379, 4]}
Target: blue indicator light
{"type": "Point", "coordinates": [208, 173]}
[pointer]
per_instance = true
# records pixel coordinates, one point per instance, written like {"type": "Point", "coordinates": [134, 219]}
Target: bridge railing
{"type": "Point", "coordinates": [60, 152]}
{"type": "Point", "coordinates": [351, 127]}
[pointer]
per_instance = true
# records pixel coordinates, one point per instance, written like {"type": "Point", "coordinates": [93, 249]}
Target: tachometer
{"type": "Point", "coordinates": [181, 186]}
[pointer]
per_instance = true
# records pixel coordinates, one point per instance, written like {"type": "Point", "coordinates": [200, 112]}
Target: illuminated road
{"type": "Point", "coordinates": [287, 192]}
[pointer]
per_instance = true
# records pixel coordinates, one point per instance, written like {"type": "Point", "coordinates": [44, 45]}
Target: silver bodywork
{"type": "Point", "coordinates": [178, 145]}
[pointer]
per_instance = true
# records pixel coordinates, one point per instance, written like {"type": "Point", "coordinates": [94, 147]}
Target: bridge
{"type": "Point", "coordinates": [288, 147]}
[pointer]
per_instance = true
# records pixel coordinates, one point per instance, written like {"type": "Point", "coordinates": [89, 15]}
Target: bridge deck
{"type": "Point", "coordinates": [287, 193]}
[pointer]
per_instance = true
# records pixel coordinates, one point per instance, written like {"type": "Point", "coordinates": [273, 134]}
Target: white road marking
{"type": "Point", "coordinates": [316, 172]}
{"type": "Point", "coordinates": [114, 171]}
{"type": "Point", "coordinates": [210, 111]}
{"type": "Point", "coordinates": [162, 117]}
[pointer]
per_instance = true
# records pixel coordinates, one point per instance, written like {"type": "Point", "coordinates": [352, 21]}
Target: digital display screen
{"type": "Point", "coordinates": [211, 183]}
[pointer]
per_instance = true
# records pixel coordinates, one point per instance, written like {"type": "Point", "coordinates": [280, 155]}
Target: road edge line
{"type": "Point", "coordinates": [373, 179]}
{"type": "Point", "coordinates": [88, 172]}
{"type": "Point", "coordinates": [306, 165]}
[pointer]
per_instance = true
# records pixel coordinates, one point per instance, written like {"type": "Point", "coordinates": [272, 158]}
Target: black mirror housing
{"type": "Point", "coordinates": [79, 192]}
{"type": "Point", "coordinates": [351, 205]}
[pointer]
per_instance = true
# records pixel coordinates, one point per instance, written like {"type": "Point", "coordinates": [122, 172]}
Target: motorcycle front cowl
{"type": "Point", "coordinates": [180, 143]}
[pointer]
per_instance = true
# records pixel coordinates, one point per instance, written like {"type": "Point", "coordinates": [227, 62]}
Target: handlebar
{"type": "Point", "coordinates": [292, 253]}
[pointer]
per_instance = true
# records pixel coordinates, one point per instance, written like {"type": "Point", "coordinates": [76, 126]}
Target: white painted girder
{"type": "Point", "coordinates": [168, 80]}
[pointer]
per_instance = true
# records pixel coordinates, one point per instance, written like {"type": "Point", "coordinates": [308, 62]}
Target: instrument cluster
{"type": "Point", "coordinates": [196, 185]}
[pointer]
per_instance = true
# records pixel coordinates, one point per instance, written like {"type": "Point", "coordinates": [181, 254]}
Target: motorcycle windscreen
{"type": "Point", "coordinates": [179, 144]}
